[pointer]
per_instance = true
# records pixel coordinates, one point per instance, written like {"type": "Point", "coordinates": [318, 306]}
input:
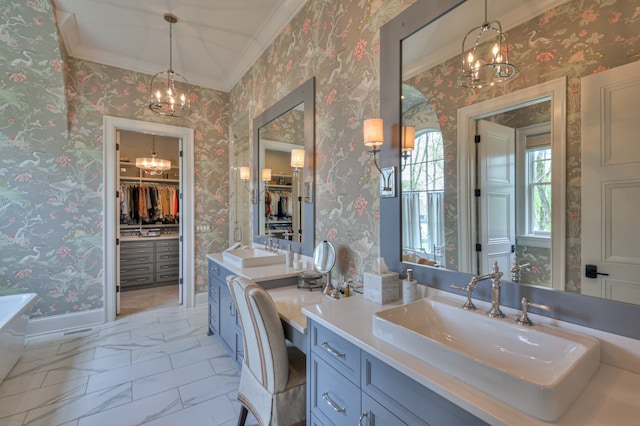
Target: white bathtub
{"type": "Point", "coordinates": [14, 317]}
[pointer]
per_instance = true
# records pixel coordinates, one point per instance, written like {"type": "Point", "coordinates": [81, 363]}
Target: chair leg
{"type": "Point", "coordinates": [243, 416]}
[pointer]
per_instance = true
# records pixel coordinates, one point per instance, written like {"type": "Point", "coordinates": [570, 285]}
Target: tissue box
{"type": "Point", "coordinates": [381, 288]}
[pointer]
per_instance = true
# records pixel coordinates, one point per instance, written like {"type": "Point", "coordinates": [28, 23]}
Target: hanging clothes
{"type": "Point", "coordinates": [148, 203]}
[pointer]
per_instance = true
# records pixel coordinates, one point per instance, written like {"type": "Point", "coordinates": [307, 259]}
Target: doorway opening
{"type": "Point", "coordinates": [471, 230]}
{"type": "Point", "coordinates": [155, 246]}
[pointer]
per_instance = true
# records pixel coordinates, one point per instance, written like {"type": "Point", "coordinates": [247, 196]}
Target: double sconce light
{"type": "Point", "coordinates": [373, 129]}
{"type": "Point", "coordinates": [245, 176]}
{"type": "Point", "coordinates": [297, 163]}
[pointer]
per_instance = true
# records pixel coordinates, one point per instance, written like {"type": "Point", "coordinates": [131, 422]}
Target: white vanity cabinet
{"type": "Point", "coordinates": [347, 385]}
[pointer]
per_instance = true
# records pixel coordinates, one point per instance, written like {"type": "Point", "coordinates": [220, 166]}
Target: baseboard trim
{"type": "Point", "coordinates": [66, 322]}
{"type": "Point", "coordinates": [202, 298]}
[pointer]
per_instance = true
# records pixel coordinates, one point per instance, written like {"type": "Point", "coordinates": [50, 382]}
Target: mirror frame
{"type": "Point", "coordinates": [601, 314]}
{"type": "Point", "coordinates": [305, 93]}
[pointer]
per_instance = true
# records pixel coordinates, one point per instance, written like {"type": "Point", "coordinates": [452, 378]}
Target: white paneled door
{"type": "Point", "coordinates": [611, 184]}
{"type": "Point", "coordinates": [496, 224]}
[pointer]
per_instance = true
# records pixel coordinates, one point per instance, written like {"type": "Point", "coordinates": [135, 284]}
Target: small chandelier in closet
{"type": "Point", "coordinates": [153, 166]}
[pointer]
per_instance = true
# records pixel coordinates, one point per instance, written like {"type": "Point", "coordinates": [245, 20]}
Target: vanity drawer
{"type": "Point", "coordinates": [336, 351]}
{"type": "Point", "coordinates": [333, 397]}
{"type": "Point", "coordinates": [376, 414]}
{"type": "Point", "coordinates": [413, 403]}
{"type": "Point", "coordinates": [168, 276]}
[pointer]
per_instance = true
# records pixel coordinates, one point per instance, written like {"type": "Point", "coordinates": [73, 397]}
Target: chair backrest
{"type": "Point", "coordinates": [265, 351]}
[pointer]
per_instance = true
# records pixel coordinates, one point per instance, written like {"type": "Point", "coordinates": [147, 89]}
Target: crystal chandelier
{"type": "Point", "coordinates": [486, 62]}
{"type": "Point", "coordinates": [153, 166]}
{"type": "Point", "coordinates": [168, 94]}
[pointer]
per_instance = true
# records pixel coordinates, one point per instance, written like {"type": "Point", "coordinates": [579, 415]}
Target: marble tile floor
{"type": "Point", "coordinates": [134, 301]}
{"type": "Point", "coordinates": [156, 368]}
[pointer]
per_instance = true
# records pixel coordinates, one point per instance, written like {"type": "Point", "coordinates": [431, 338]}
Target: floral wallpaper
{"type": "Point", "coordinates": [51, 171]}
{"type": "Point", "coordinates": [338, 43]}
{"type": "Point", "coordinates": [574, 39]}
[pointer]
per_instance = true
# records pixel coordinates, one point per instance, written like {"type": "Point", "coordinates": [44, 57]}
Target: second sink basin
{"type": "Point", "coordinates": [539, 370]}
{"type": "Point", "coordinates": [248, 257]}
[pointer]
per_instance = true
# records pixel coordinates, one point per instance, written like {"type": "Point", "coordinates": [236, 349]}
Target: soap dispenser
{"type": "Point", "coordinates": [409, 288]}
{"type": "Point", "coordinates": [289, 256]}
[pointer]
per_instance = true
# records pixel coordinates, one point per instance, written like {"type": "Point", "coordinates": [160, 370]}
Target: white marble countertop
{"type": "Point", "coordinates": [290, 300]}
{"type": "Point", "coordinates": [257, 273]}
{"type": "Point", "coordinates": [611, 398]}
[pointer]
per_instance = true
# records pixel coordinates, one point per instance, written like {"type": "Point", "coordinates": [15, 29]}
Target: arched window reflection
{"type": "Point", "coordinates": [423, 199]}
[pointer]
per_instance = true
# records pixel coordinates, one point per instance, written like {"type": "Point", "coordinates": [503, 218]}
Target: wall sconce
{"type": "Point", "coordinates": [245, 176]}
{"type": "Point", "coordinates": [373, 130]}
{"type": "Point", "coordinates": [297, 160]}
{"type": "Point", "coordinates": [408, 144]}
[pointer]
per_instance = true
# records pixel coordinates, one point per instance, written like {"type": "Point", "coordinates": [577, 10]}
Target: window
{"type": "Point", "coordinates": [423, 179]}
{"type": "Point", "coordinates": [538, 164]}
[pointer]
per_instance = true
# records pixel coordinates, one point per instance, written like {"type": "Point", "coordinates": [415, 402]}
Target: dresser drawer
{"type": "Point", "coordinates": [168, 276]}
{"type": "Point", "coordinates": [336, 351]}
{"type": "Point", "coordinates": [333, 396]}
{"type": "Point", "coordinates": [137, 269]}
{"type": "Point", "coordinates": [135, 280]}
{"type": "Point", "coordinates": [127, 249]}
{"type": "Point", "coordinates": [127, 259]}
{"type": "Point", "coordinates": [167, 257]}
{"type": "Point", "coordinates": [167, 246]}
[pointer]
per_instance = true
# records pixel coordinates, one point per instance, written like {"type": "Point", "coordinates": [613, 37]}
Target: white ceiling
{"type": "Point", "coordinates": [214, 41]}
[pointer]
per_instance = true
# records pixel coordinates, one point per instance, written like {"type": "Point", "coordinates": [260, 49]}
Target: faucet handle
{"type": "Point", "coordinates": [523, 319]}
{"type": "Point", "coordinates": [468, 305]}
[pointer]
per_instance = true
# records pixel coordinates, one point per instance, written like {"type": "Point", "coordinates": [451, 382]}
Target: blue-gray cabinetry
{"type": "Point", "coordinates": [347, 385]}
{"type": "Point", "coordinates": [223, 316]}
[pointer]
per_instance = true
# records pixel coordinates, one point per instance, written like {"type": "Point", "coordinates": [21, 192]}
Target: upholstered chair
{"type": "Point", "coordinates": [272, 381]}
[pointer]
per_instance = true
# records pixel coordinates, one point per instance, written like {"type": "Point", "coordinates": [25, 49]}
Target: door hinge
{"type": "Point", "coordinates": [180, 239]}
{"type": "Point", "coordinates": [180, 281]}
{"type": "Point", "coordinates": [118, 288]}
{"type": "Point", "coordinates": [117, 194]}
{"type": "Point", "coordinates": [513, 248]}
{"type": "Point", "coordinates": [478, 247]}
{"type": "Point", "coordinates": [117, 241]}
{"type": "Point", "coordinates": [117, 147]}
{"type": "Point", "coordinates": [477, 192]}
{"type": "Point", "coordinates": [181, 153]}
{"type": "Point", "coordinates": [476, 138]}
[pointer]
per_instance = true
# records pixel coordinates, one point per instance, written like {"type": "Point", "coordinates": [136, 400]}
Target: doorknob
{"type": "Point", "coordinates": [591, 271]}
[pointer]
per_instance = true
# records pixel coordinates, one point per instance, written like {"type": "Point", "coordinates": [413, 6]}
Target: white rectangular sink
{"type": "Point", "coordinates": [249, 257]}
{"type": "Point", "coordinates": [539, 370]}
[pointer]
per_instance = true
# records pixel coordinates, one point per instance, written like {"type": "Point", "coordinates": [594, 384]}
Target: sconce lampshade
{"type": "Point", "coordinates": [408, 138]}
{"type": "Point", "coordinates": [373, 132]}
{"type": "Point", "coordinates": [297, 158]}
{"type": "Point", "coordinates": [266, 175]}
{"type": "Point", "coordinates": [245, 173]}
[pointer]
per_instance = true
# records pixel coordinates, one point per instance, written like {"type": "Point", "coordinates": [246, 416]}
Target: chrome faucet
{"type": "Point", "coordinates": [516, 270]}
{"type": "Point", "coordinates": [494, 276]}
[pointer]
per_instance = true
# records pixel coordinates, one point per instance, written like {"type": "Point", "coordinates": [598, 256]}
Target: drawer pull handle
{"type": "Point", "coordinates": [362, 416]}
{"type": "Point", "coordinates": [333, 405]}
{"type": "Point", "coordinates": [332, 351]}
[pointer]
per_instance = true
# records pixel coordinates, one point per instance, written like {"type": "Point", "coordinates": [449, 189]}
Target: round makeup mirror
{"type": "Point", "coordinates": [324, 257]}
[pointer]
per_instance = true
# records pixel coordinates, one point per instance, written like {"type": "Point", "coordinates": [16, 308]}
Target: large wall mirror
{"type": "Point", "coordinates": [284, 171]}
{"type": "Point", "coordinates": [515, 196]}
